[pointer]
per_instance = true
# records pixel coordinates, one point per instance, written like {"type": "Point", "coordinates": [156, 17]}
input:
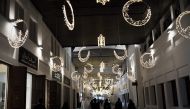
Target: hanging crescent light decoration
{"type": "Point", "coordinates": [151, 61]}
{"type": "Point", "coordinates": [118, 71]}
{"type": "Point", "coordinates": [121, 58]}
{"type": "Point", "coordinates": [85, 75]}
{"type": "Point", "coordinates": [88, 70]}
{"type": "Point", "coordinates": [129, 20]}
{"type": "Point", "coordinates": [118, 77]}
{"type": "Point", "coordinates": [19, 37]}
{"type": "Point", "coordinates": [69, 25]}
{"type": "Point", "coordinates": [75, 76]}
{"type": "Point", "coordinates": [185, 32]}
{"type": "Point", "coordinates": [56, 63]}
{"type": "Point", "coordinates": [83, 59]}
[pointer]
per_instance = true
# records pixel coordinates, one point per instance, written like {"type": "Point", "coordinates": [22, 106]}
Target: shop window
{"type": "Point", "coordinates": [19, 14]}
{"type": "Point", "coordinates": [28, 91]}
{"type": "Point", "coordinates": [161, 96]}
{"type": "Point", "coordinates": [153, 95]}
{"type": "Point", "coordinates": [147, 96]}
{"type": "Point", "coordinates": [3, 85]}
{"type": "Point", "coordinates": [172, 93]}
{"type": "Point", "coordinates": [33, 31]}
{"type": "Point", "coordinates": [3, 7]}
{"type": "Point", "coordinates": [167, 20]}
{"type": "Point", "coordinates": [184, 84]}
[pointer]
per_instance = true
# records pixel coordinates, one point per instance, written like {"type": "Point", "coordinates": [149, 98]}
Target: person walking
{"type": "Point", "coordinates": [131, 104]}
{"type": "Point", "coordinates": [118, 104]}
{"type": "Point", "coordinates": [107, 104]}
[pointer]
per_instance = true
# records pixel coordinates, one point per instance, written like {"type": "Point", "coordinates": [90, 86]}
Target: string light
{"type": "Point", "coordinates": [79, 55]}
{"type": "Point", "coordinates": [56, 63]}
{"type": "Point", "coordinates": [129, 20]}
{"type": "Point", "coordinates": [151, 61]}
{"type": "Point", "coordinates": [88, 70]}
{"type": "Point", "coordinates": [102, 66]}
{"type": "Point", "coordinates": [103, 2]}
{"type": "Point", "coordinates": [121, 58]}
{"type": "Point", "coordinates": [101, 41]}
{"type": "Point", "coordinates": [119, 70]}
{"type": "Point", "coordinates": [70, 25]}
{"type": "Point", "coordinates": [185, 32]}
{"type": "Point", "coordinates": [18, 38]}
{"type": "Point", "coordinates": [75, 76]}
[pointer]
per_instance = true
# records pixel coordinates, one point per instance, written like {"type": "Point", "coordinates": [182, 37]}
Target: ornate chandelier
{"type": "Point", "coordinates": [103, 2]}
{"type": "Point", "coordinates": [101, 41]}
{"type": "Point", "coordinates": [130, 20]}
{"type": "Point", "coordinates": [56, 63]}
{"type": "Point", "coordinates": [151, 61]}
{"type": "Point", "coordinates": [91, 68]}
{"type": "Point", "coordinates": [118, 71]}
{"type": "Point", "coordinates": [185, 32]}
{"type": "Point", "coordinates": [75, 76]}
{"type": "Point", "coordinates": [18, 38]}
{"type": "Point", "coordinates": [121, 58]}
{"type": "Point", "coordinates": [79, 55]}
{"type": "Point", "coordinates": [70, 25]}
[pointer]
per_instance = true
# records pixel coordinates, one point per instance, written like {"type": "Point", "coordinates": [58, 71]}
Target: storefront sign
{"type": "Point", "coordinates": [67, 81]}
{"type": "Point", "coordinates": [57, 76]}
{"type": "Point", "coordinates": [27, 58]}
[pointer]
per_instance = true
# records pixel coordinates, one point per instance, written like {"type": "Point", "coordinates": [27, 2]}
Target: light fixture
{"type": "Point", "coordinates": [83, 59]}
{"type": "Point", "coordinates": [121, 58]}
{"type": "Point", "coordinates": [130, 20]}
{"type": "Point", "coordinates": [56, 63]}
{"type": "Point", "coordinates": [75, 76]}
{"type": "Point", "coordinates": [101, 41]}
{"type": "Point", "coordinates": [85, 75]}
{"type": "Point", "coordinates": [103, 2]}
{"type": "Point", "coordinates": [102, 66]}
{"type": "Point", "coordinates": [18, 37]}
{"type": "Point", "coordinates": [185, 32]}
{"type": "Point", "coordinates": [72, 24]}
{"type": "Point", "coordinates": [118, 71]}
{"type": "Point", "coordinates": [151, 60]}
{"type": "Point", "coordinates": [88, 70]}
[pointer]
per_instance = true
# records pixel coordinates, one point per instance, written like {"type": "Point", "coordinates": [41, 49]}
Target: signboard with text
{"type": "Point", "coordinates": [27, 58]}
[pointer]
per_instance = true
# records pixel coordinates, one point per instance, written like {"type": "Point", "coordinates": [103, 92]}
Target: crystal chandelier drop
{"type": "Point", "coordinates": [83, 59]}
{"type": "Point", "coordinates": [103, 2]}
{"type": "Point", "coordinates": [75, 76]}
{"type": "Point", "coordinates": [117, 70]}
{"type": "Point", "coordinates": [102, 66]}
{"type": "Point", "coordinates": [56, 63]}
{"type": "Point", "coordinates": [151, 61]}
{"type": "Point", "coordinates": [18, 37]}
{"type": "Point", "coordinates": [185, 32]}
{"type": "Point", "coordinates": [121, 58]}
{"type": "Point", "coordinates": [91, 68]}
{"type": "Point", "coordinates": [101, 41]}
{"type": "Point", "coordinates": [70, 25]}
{"type": "Point", "coordinates": [129, 20]}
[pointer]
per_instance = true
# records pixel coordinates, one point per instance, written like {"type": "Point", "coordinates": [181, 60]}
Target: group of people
{"type": "Point", "coordinates": [95, 104]}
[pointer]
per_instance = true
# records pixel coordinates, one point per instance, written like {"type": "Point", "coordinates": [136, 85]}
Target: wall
{"type": "Point", "coordinates": [172, 63]}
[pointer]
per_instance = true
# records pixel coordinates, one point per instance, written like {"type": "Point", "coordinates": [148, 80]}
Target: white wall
{"type": "Point", "coordinates": [173, 62]}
